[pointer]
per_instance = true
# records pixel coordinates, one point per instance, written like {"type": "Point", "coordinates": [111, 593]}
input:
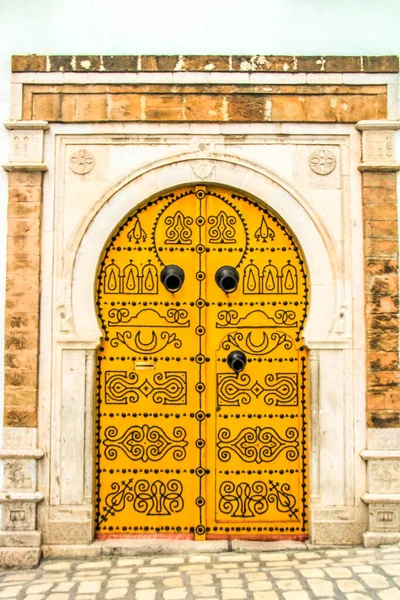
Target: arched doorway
{"type": "Point", "coordinates": [188, 444]}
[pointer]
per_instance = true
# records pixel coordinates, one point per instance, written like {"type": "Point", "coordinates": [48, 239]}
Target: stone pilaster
{"type": "Point", "coordinates": [19, 539]}
{"type": "Point", "coordinates": [379, 192]}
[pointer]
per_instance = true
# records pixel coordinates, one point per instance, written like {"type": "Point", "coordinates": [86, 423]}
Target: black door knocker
{"type": "Point", "coordinates": [237, 361]}
{"type": "Point", "coordinates": [172, 278]}
{"type": "Point", "coordinates": [227, 279]}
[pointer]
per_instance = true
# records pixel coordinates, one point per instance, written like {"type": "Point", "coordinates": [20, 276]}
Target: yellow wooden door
{"type": "Point", "coordinates": [186, 445]}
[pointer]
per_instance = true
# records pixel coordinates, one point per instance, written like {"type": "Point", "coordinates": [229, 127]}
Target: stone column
{"type": "Point", "coordinates": [379, 193]}
{"type": "Point", "coordinates": [19, 540]}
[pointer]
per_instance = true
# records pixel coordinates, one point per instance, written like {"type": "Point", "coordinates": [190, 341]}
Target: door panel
{"type": "Point", "coordinates": [184, 444]}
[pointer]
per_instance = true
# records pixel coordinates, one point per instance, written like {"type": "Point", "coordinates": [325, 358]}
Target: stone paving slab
{"type": "Point", "coordinates": [297, 574]}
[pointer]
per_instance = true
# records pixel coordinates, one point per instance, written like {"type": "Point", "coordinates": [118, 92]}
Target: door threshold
{"type": "Point", "coordinates": [150, 546]}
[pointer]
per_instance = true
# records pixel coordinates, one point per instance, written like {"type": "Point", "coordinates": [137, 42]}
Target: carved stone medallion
{"type": "Point", "coordinates": [322, 161]}
{"type": "Point", "coordinates": [81, 162]}
{"type": "Point", "coordinates": [203, 169]}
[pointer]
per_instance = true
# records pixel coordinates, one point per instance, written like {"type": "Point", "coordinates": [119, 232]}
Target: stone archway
{"type": "Point", "coordinates": [77, 342]}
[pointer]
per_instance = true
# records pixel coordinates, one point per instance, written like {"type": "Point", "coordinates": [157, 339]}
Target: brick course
{"type": "Point", "coordinates": [204, 103]}
{"type": "Point", "coordinates": [278, 64]}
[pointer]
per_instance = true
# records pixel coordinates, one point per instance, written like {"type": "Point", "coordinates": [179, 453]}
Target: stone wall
{"type": "Point", "coordinates": [231, 96]}
{"type": "Point", "coordinates": [23, 295]}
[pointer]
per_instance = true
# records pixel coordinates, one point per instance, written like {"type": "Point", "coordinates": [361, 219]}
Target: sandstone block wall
{"type": "Point", "coordinates": [22, 298]}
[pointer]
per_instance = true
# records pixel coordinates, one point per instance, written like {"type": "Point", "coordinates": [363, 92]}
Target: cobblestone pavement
{"type": "Point", "coordinates": [351, 574]}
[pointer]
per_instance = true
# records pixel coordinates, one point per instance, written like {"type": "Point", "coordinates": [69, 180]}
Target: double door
{"type": "Point", "coordinates": [201, 421]}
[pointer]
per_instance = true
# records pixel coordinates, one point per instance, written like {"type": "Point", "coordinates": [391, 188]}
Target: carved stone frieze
{"type": "Point", "coordinates": [379, 145]}
{"type": "Point", "coordinates": [19, 516]}
{"type": "Point", "coordinates": [19, 474]}
{"type": "Point", "coordinates": [384, 476]}
{"type": "Point", "coordinates": [384, 517]}
{"type": "Point", "coordinates": [26, 145]}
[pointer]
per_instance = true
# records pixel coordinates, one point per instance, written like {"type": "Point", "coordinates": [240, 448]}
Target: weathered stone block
{"type": "Point", "coordinates": [380, 64]}
{"type": "Point", "coordinates": [166, 107]}
{"type": "Point", "coordinates": [378, 195]}
{"type": "Point", "coordinates": [30, 62]}
{"type": "Point", "coordinates": [383, 321]}
{"type": "Point", "coordinates": [25, 263]}
{"type": "Point", "coordinates": [381, 229]}
{"type": "Point", "coordinates": [383, 399]}
{"type": "Point", "coordinates": [383, 418]}
{"type": "Point", "coordinates": [21, 359]}
{"type": "Point", "coordinates": [22, 558]}
{"type": "Point", "coordinates": [209, 63]}
{"type": "Point", "coordinates": [382, 361]}
{"type": "Point", "coordinates": [18, 287]}
{"type": "Point", "coordinates": [85, 63]}
{"type": "Point", "coordinates": [20, 397]}
{"type": "Point", "coordinates": [381, 212]}
{"type": "Point", "coordinates": [381, 266]}
{"type": "Point", "coordinates": [158, 63]}
{"type": "Point", "coordinates": [20, 179]}
{"type": "Point", "coordinates": [20, 539]}
{"type": "Point", "coordinates": [67, 109]}
{"type": "Point", "coordinates": [46, 107]}
{"type": "Point", "coordinates": [24, 210]}
{"type": "Point", "coordinates": [208, 108]}
{"type": "Point", "coordinates": [378, 340]}
{"type": "Point", "coordinates": [20, 378]}
{"type": "Point", "coordinates": [19, 474]}
{"type": "Point", "coordinates": [20, 417]}
{"type": "Point", "coordinates": [383, 439]}
{"type": "Point", "coordinates": [381, 248]}
{"type": "Point", "coordinates": [381, 304]}
{"type": "Point", "coordinates": [90, 107]}
{"type": "Point", "coordinates": [246, 108]}
{"type": "Point", "coordinates": [21, 341]}
{"type": "Point", "coordinates": [384, 378]}
{"type": "Point", "coordinates": [21, 244]}
{"type": "Point", "coordinates": [380, 285]}
{"type": "Point", "coordinates": [23, 321]}
{"type": "Point", "coordinates": [125, 107]}
{"type": "Point", "coordinates": [380, 180]}
{"type": "Point", "coordinates": [27, 227]}
{"type": "Point", "coordinates": [19, 516]}
{"type": "Point", "coordinates": [120, 64]}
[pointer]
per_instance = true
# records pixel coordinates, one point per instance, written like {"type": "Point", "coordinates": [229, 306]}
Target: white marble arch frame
{"type": "Point", "coordinates": [90, 238]}
{"type": "Point", "coordinates": [78, 342]}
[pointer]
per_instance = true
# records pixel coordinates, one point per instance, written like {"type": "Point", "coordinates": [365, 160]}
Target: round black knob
{"type": "Point", "coordinates": [227, 279]}
{"type": "Point", "coordinates": [237, 360]}
{"type": "Point", "coordinates": [172, 278]}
